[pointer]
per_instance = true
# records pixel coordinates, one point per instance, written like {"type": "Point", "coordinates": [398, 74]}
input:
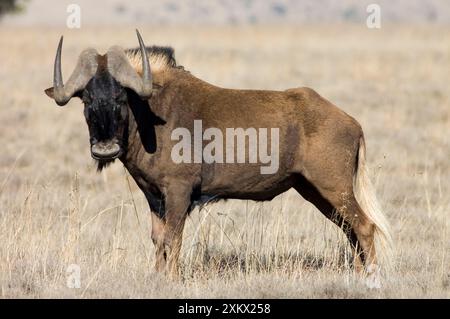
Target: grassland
{"type": "Point", "coordinates": [55, 210]}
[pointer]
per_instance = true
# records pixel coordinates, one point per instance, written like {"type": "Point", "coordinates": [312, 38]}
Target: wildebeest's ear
{"type": "Point", "coordinates": [50, 92]}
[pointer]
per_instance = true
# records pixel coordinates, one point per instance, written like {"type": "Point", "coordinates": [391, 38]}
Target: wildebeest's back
{"type": "Point", "coordinates": [300, 115]}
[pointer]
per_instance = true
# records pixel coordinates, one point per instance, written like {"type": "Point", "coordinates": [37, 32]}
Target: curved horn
{"type": "Point", "coordinates": [121, 69]}
{"type": "Point", "coordinates": [147, 84]}
{"type": "Point", "coordinates": [84, 71]}
{"type": "Point", "coordinates": [57, 74]}
{"type": "Point", "coordinates": [58, 85]}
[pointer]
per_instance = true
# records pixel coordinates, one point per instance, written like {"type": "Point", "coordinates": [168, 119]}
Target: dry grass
{"type": "Point", "coordinates": [55, 210]}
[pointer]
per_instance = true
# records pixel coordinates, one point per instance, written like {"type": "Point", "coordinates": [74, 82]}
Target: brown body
{"type": "Point", "coordinates": [319, 147]}
{"type": "Point", "coordinates": [135, 99]}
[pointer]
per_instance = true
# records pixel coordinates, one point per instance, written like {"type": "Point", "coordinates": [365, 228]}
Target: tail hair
{"type": "Point", "coordinates": [366, 198]}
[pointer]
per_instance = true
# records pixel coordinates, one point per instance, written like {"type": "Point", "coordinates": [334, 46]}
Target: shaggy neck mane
{"type": "Point", "coordinates": [160, 58]}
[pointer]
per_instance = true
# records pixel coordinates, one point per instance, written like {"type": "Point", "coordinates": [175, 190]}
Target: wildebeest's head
{"type": "Point", "coordinates": [101, 81]}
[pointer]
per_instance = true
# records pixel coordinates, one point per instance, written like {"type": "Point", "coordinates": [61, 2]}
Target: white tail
{"type": "Point", "coordinates": [365, 195]}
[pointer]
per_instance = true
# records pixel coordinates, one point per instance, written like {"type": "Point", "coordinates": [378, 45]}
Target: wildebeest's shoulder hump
{"type": "Point", "coordinates": [160, 57]}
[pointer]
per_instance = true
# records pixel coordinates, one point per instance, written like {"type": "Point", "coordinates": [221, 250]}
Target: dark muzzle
{"type": "Point", "coordinates": [106, 150]}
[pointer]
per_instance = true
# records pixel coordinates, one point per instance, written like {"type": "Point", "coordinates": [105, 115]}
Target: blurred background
{"type": "Point", "coordinates": [224, 12]}
{"type": "Point", "coordinates": [56, 210]}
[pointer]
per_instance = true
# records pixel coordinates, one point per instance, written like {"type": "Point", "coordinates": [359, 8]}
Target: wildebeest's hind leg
{"type": "Point", "coordinates": [334, 209]}
{"type": "Point", "coordinates": [333, 176]}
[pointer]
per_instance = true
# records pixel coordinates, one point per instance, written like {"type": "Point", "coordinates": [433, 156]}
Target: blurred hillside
{"type": "Point", "coordinates": [225, 12]}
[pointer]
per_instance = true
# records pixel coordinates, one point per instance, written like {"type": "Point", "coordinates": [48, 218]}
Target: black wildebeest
{"type": "Point", "coordinates": [134, 99]}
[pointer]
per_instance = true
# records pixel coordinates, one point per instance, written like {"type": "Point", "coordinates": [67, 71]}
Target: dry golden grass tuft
{"type": "Point", "coordinates": [55, 210]}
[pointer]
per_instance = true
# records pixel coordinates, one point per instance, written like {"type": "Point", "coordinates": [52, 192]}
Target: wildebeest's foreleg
{"type": "Point", "coordinates": [177, 199]}
{"type": "Point", "coordinates": [157, 208]}
{"type": "Point", "coordinates": [158, 225]}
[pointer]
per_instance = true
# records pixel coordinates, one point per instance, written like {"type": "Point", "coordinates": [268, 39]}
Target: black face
{"type": "Point", "coordinates": [106, 111]}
